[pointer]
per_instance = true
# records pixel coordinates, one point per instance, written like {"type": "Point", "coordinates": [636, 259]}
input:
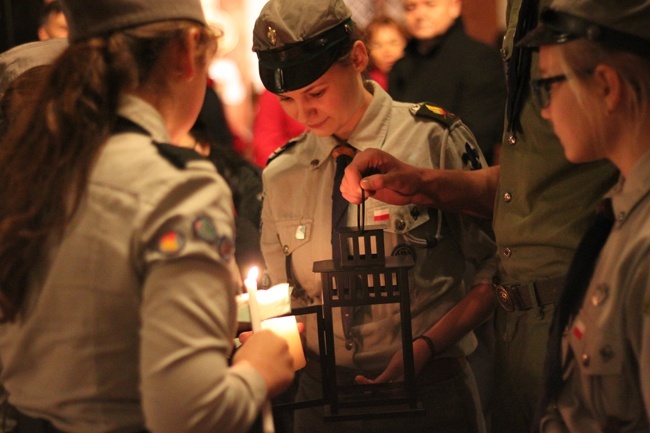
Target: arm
{"type": "Point", "coordinates": [473, 310]}
{"type": "Point", "coordinates": [187, 318]}
{"type": "Point", "coordinates": [394, 182]}
{"type": "Point", "coordinates": [187, 384]}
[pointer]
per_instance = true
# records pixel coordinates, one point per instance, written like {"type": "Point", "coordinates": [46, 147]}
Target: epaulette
{"type": "Point", "coordinates": [178, 156]}
{"type": "Point", "coordinates": [280, 150]}
{"type": "Point", "coordinates": [431, 111]}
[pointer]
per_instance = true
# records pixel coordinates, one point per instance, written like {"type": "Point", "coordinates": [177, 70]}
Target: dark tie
{"type": "Point", "coordinates": [342, 154]}
{"type": "Point", "coordinates": [578, 279]}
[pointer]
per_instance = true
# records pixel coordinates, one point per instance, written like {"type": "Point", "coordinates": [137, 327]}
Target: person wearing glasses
{"type": "Point", "coordinates": [593, 84]}
{"type": "Point", "coordinates": [541, 205]}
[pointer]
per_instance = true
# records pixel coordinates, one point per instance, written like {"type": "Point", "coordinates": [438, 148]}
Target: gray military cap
{"type": "Point", "coordinates": [297, 41]}
{"type": "Point", "coordinates": [87, 18]}
{"type": "Point", "coordinates": [24, 57]}
{"type": "Point", "coordinates": [624, 25]}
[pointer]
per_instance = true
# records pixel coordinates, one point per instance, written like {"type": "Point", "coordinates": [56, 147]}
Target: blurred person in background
{"type": "Point", "coordinates": [272, 127]}
{"type": "Point", "coordinates": [53, 23]}
{"type": "Point", "coordinates": [386, 39]}
{"type": "Point", "coordinates": [443, 65]}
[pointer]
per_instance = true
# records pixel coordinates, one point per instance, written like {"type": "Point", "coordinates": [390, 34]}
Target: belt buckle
{"type": "Point", "coordinates": [504, 298]}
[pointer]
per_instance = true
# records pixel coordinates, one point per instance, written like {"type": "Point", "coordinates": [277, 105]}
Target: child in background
{"type": "Point", "coordinates": [386, 39]}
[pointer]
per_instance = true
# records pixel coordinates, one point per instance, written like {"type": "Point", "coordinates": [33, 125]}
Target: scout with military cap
{"type": "Point", "coordinates": [312, 57]}
{"type": "Point", "coordinates": [594, 88]}
{"type": "Point", "coordinates": [620, 25]}
{"type": "Point", "coordinates": [117, 282]}
{"type": "Point", "coordinates": [297, 41]}
{"type": "Point", "coordinates": [107, 16]}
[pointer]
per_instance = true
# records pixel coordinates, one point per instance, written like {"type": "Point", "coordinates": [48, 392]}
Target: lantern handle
{"type": "Point", "coordinates": [361, 212]}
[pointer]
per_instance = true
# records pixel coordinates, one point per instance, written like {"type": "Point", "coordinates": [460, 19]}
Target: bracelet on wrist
{"type": "Point", "coordinates": [432, 347]}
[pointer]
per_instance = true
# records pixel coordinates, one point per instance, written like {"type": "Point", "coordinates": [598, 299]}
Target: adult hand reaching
{"type": "Point", "coordinates": [381, 176]}
{"type": "Point", "coordinates": [385, 178]}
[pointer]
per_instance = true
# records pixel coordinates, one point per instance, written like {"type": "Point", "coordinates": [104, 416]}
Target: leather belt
{"type": "Point", "coordinates": [435, 370]}
{"type": "Point", "coordinates": [526, 296]}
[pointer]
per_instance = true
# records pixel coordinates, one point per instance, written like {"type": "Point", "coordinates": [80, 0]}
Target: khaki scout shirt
{"type": "Point", "coordinates": [543, 203]}
{"type": "Point", "coordinates": [296, 220]}
{"type": "Point", "coordinates": [133, 310]}
{"type": "Point", "coordinates": [606, 349]}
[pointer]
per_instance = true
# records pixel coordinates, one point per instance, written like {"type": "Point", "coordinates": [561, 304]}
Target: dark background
{"type": "Point", "coordinates": [18, 22]}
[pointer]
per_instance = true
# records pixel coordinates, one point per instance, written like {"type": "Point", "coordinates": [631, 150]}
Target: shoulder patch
{"type": "Point", "coordinates": [279, 151]}
{"type": "Point", "coordinates": [178, 156]}
{"type": "Point", "coordinates": [471, 156]}
{"type": "Point", "coordinates": [434, 112]}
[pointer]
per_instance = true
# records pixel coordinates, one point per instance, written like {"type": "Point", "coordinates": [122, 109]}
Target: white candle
{"type": "Point", "coordinates": [253, 304]}
{"type": "Point", "coordinates": [256, 324]}
{"type": "Point", "coordinates": [287, 328]}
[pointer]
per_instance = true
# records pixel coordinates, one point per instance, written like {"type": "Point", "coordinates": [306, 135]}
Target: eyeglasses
{"type": "Point", "coordinates": [541, 88]}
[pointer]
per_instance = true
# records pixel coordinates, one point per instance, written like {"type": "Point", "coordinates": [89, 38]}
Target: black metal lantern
{"type": "Point", "coordinates": [365, 276]}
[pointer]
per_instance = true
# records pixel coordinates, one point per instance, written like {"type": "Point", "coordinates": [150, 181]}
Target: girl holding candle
{"type": "Point", "coordinates": [117, 281]}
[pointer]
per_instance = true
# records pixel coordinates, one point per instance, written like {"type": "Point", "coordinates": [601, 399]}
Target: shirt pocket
{"type": "Point", "coordinates": [294, 233]}
{"type": "Point", "coordinates": [598, 352]}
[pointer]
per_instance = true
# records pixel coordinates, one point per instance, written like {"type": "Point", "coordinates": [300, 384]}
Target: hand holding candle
{"type": "Point", "coordinates": [287, 328]}
{"type": "Point", "coordinates": [256, 324]}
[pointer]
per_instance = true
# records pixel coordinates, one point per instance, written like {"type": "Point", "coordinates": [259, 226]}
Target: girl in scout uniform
{"type": "Point", "coordinates": [311, 58]}
{"type": "Point", "coordinates": [594, 86]}
{"type": "Point", "coordinates": [117, 282]}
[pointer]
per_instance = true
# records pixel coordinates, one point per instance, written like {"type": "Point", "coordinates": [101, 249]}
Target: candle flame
{"type": "Point", "coordinates": [252, 274]}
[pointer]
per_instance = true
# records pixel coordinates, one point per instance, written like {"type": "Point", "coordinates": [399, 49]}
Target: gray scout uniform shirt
{"type": "Point", "coordinates": [136, 300]}
{"type": "Point", "coordinates": [296, 220]}
{"type": "Point", "coordinates": [606, 349]}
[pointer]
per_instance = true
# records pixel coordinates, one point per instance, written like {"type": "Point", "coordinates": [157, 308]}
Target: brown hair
{"type": "Point", "coordinates": [47, 156]}
{"type": "Point", "coordinates": [376, 24]}
{"type": "Point", "coordinates": [384, 21]}
{"type": "Point", "coordinates": [21, 95]}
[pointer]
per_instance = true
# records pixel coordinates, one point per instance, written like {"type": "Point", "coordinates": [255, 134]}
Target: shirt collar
{"type": "Point", "coordinates": [373, 126]}
{"type": "Point", "coordinates": [137, 110]}
{"type": "Point", "coordinates": [630, 191]}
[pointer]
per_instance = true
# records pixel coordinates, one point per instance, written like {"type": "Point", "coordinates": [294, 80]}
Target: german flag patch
{"type": "Point", "coordinates": [171, 243]}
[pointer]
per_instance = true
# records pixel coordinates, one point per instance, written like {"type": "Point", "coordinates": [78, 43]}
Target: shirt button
{"type": "Point", "coordinates": [585, 360]}
{"type": "Point", "coordinates": [507, 197]}
{"type": "Point", "coordinates": [504, 54]}
{"type": "Point", "coordinates": [400, 224]}
{"type": "Point", "coordinates": [607, 353]}
{"type": "Point", "coordinates": [512, 140]}
{"type": "Point", "coordinates": [285, 250]}
{"type": "Point", "coordinates": [620, 216]}
{"type": "Point", "coordinates": [314, 163]}
{"type": "Point", "coordinates": [507, 252]}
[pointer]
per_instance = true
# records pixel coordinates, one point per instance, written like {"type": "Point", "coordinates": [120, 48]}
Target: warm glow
{"type": "Point", "coordinates": [253, 273]}
{"type": "Point", "coordinates": [287, 328]}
